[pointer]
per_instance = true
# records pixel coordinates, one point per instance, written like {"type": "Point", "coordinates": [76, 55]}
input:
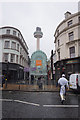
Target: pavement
{"type": "Point", "coordinates": [24, 87]}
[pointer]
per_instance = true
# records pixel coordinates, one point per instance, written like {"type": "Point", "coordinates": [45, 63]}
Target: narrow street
{"type": "Point", "coordinates": [16, 104]}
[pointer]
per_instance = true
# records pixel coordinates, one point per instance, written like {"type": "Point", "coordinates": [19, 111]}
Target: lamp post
{"type": "Point", "coordinates": [7, 74]}
{"type": "Point", "coordinates": [52, 64]}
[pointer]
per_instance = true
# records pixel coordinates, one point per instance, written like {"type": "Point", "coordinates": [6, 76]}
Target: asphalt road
{"type": "Point", "coordinates": [16, 104]}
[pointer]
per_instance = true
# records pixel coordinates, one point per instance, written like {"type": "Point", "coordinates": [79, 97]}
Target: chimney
{"type": "Point", "coordinates": [67, 14]}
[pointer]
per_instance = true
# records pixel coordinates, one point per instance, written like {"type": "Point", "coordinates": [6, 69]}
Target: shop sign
{"type": "Point", "coordinates": [38, 62]}
{"type": "Point", "coordinates": [26, 69]}
{"type": "Point", "coordinates": [29, 69]}
{"type": "Point", "coordinates": [72, 61]}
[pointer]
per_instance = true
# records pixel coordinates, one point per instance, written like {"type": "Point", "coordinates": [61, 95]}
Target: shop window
{"type": "Point", "coordinates": [7, 44]}
{"type": "Point", "coordinates": [72, 52]}
{"type": "Point", "coordinates": [71, 36]}
{"type": "Point", "coordinates": [12, 58]}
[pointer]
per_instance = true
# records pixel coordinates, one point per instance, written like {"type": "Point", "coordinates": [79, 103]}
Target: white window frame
{"type": "Point", "coordinates": [72, 52]}
{"type": "Point", "coordinates": [13, 45]}
{"type": "Point", "coordinates": [5, 58]}
{"type": "Point", "coordinates": [70, 22]}
{"type": "Point", "coordinates": [17, 47]}
{"type": "Point", "coordinates": [14, 32]}
{"type": "Point", "coordinates": [8, 31]}
{"type": "Point", "coordinates": [71, 36]}
{"type": "Point", "coordinates": [6, 45]}
{"type": "Point", "coordinates": [12, 58]}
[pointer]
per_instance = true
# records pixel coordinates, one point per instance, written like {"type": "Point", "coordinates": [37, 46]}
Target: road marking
{"type": "Point", "coordinates": [62, 106]}
{"type": "Point", "coordinates": [10, 100]}
{"type": "Point", "coordinates": [56, 106]}
{"type": "Point", "coordinates": [27, 102]}
{"type": "Point", "coordinates": [6, 100]}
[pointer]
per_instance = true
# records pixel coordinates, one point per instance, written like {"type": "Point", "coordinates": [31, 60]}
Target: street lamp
{"type": "Point", "coordinates": [7, 68]}
{"type": "Point", "coordinates": [52, 64]}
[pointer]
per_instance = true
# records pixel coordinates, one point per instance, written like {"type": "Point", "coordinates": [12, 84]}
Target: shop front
{"type": "Point", "coordinates": [67, 67]}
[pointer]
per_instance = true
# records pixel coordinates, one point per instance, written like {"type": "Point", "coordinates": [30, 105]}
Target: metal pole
{"type": "Point", "coordinates": [7, 75]}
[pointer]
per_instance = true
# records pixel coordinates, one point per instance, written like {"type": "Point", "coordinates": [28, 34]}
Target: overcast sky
{"type": "Point", "coordinates": [26, 16]}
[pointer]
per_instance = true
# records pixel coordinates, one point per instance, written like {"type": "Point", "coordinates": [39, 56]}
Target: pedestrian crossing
{"type": "Point", "coordinates": [34, 104]}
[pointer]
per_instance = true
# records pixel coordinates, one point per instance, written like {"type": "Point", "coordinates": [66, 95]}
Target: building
{"type": "Point", "coordinates": [13, 54]}
{"type": "Point", "coordinates": [67, 45]}
{"type": "Point", "coordinates": [38, 66]}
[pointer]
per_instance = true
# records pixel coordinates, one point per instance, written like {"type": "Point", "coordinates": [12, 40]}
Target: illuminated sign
{"type": "Point", "coordinates": [72, 61]}
{"type": "Point", "coordinates": [38, 62]}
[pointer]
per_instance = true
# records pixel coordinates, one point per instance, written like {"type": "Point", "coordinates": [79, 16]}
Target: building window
{"type": "Point", "coordinates": [12, 58]}
{"type": "Point", "coordinates": [6, 57]}
{"type": "Point", "coordinates": [7, 44]}
{"type": "Point", "coordinates": [7, 31]}
{"type": "Point", "coordinates": [17, 59]}
{"type": "Point", "coordinates": [72, 52]}
{"type": "Point", "coordinates": [20, 50]}
{"type": "Point", "coordinates": [18, 47]}
{"type": "Point", "coordinates": [59, 55]}
{"type": "Point", "coordinates": [13, 45]}
{"type": "Point", "coordinates": [70, 23]}
{"type": "Point", "coordinates": [79, 18]}
{"type": "Point", "coordinates": [71, 36]}
{"type": "Point", "coordinates": [58, 43]}
{"type": "Point", "coordinates": [20, 60]}
{"type": "Point", "coordinates": [14, 32]}
{"type": "Point", "coordinates": [57, 32]}
{"type": "Point", "coordinates": [19, 35]}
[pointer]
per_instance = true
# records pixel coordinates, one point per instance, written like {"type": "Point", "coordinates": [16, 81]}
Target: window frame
{"type": "Point", "coordinates": [12, 60]}
{"type": "Point", "coordinates": [5, 46]}
{"type": "Point", "coordinates": [8, 31]}
{"type": "Point", "coordinates": [72, 51]}
{"type": "Point", "coordinates": [14, 48]}
{"type": "Point", "coordinates": [17, 46]}
{"type": "Point", "coordinates": [5, 60]}
{"type": "Point", "coordinates": [14, 33]}
{"type": "Point", "coordinates": [70, 23]}
{"type": "Point", "coordinates": [71, 36]}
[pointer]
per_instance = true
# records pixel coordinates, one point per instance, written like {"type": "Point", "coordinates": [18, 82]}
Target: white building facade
{"type": "Point", "coordinates": [67, 45]}
{"type": "Point", "coordinates": [13, 53]}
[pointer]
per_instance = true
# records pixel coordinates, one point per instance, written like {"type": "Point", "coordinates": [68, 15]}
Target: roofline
{"type": "Point", "coordinates": [71, 16]}
{"type": "Point", "coordinates": [15, 29]}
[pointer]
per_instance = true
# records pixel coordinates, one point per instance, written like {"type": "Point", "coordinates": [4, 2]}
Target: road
{"type": "Point", "coordinates": [16, 104]}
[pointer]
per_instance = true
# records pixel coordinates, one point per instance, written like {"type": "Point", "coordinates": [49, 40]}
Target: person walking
{"type": "Point", "coordinates": [63, 83]}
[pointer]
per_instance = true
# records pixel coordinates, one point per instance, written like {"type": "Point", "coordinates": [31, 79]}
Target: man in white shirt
{"type": "Point", "coordinates": [63, 82]}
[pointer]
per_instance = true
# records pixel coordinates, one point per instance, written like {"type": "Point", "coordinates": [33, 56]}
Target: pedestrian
{"type": "Point", "coordinates": [63, 83]}
{"type": "Point", "coordinates": [40, 83]}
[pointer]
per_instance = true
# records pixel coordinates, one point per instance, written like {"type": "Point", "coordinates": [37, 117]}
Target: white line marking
{"type": "Point", "coordinates": [6, 100]}
{"type": "Point", "coordinates": [27, 102]}
{"type": "Point", "coordinates": [20, 102]}
{"type": "Point", "coordinates": [62, 106]}
{"type": "Point", "coordinates": [57, 106]}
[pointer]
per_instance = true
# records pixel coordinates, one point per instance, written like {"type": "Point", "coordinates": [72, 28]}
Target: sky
{"type": "Point", "coordinates": [26, 16]}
